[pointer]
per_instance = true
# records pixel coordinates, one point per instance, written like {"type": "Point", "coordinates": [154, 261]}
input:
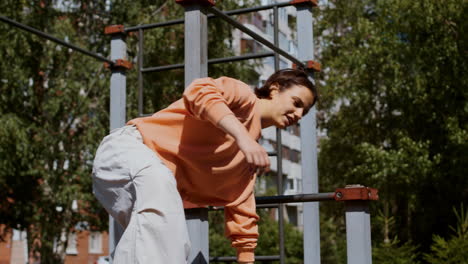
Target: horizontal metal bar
{"type": "Point", "coordinates": [255, 36]}
{"type": "Point", "coordinates": [272, 153]}
{"type": "Point", "coordinates": [211, 61]}
{"type": "Point", "coordinates": [274, 201]}
{"type": "Point", "coordinates": [163, 68]}
{"type": "Point", "coordinates": [257, 258]}
{"type": "Point", "coordinates": [231, 12]}
{"type": "Point", "coordinates": [242, 57]}
{"type": "Point", "coordinates": [310, 197]}
{"type": "Point", "coordinates": [54, 39]}
{"type": "Point", "coordinates": [155, 25]}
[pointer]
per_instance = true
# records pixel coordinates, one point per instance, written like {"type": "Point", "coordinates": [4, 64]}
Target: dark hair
{"type": "Point", "coordinates": [285, 79]}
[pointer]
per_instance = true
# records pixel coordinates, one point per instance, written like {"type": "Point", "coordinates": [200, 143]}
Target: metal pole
{"type": "Point", "coordinates": [279, 148]}
{"type": "Point", "coordinates": [54, 39]}
{"type": "Point", "coordinates": [311, 218]}
{"type": "Point", "coordinates": [140, 73]}
{"type": "Point", "coordinates": [196, 66]}
{"type": "Point", "coordinates": [118, 84]}
{"type": "Point", "coordinates": [358, 236]}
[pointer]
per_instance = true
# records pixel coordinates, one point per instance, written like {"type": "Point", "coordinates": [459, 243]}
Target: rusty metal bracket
{"type": "Point", "coordinates": [120, 63]}
{"type": "Point", "coordinates": [311, 65]}
{"type": "Point", "coordinates": [314, 3]}
{"type": "Point", "coordinates": [114, 29]}
{"type": "Point", "coordinates": [356, 192]}
{"type": "Point", "coordinates": [196, 2]}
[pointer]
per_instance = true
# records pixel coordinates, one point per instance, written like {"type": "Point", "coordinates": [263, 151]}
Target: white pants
{"type": "Point", "coordinates": [140, 193]}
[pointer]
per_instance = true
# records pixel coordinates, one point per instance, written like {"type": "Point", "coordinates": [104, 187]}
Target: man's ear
{"type": "Point", "coordinates": [274, 90]}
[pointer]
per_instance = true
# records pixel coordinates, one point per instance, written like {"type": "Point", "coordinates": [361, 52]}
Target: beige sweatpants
{"type": "Point", "coordinates": [140, 193]}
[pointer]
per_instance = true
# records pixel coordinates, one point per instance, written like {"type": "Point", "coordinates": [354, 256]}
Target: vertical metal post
{"type": "Point", "coordinates": [279, 151]}
{"type": "Point", "coordinates": [140, 73]}
{"type": "Point", "coordinates": [308, 144]}
{"type": "Point", "coordinates": [196, 66]}
{"type": "Point", "coordinates": [358, 232]}
{"type": "Point", "coordinates": [118, 118]}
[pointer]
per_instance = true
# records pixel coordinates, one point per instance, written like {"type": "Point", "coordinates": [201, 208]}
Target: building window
{"type": "Point", "coordinates": [95, 243]}
{"type": "Point", "coordinates": [72, 245]}
{"type": "Point", "coordinates": [291, 184]}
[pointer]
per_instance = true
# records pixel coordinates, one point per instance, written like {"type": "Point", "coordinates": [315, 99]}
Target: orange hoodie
{"type": "Point", "coordinates": [207, 163]}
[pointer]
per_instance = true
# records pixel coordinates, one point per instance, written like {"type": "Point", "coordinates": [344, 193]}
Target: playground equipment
{"type": "Point", "coordinates": [356, 197]}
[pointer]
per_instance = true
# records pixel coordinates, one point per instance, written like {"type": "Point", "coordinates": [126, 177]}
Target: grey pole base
{"type": "Point", "coordinates": [197, 223]}
{"type": "Point", "coordinates": [358, 232]}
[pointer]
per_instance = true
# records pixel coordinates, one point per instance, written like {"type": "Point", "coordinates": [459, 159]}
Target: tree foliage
{"type": "Point", "coordinates": [394, 107]}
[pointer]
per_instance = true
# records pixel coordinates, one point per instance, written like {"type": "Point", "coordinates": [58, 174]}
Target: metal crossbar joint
{"type": "Point", "coordinates": [196, 2]}
{"type": "Point", "coordinates": [314, 3]}
{"type": "Point", "coordinates": [119, 63]}
{"type": "Point", "coordinates": [114, 29]}
{"type": "Point", "coordinates": [356, 192]}
{"type": "Point", "coordinates": [311, 65]}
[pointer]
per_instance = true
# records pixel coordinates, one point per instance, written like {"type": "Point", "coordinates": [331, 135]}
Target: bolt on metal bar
{"type": "Point", "coordinates": [231, 12]}
{"type": "Point", "coordinates": [54, 39]}
{"type": "Point", "coordinates": [255, 36]}
{"type": "Point", "coordinates": [140, 73]}
{"type": "Point", "coordinates": [257, 258]}
{"type": "Point", "coordinates": [211, 61]}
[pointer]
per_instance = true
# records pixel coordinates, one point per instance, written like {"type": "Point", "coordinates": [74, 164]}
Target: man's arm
{"type": "Point", "coordinates": [255, 154]}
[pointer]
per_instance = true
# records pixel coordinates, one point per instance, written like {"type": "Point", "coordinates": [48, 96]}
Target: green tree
{"type": "Point", "coordinates": [394, 106]}
{"type": "Point", "coordinates": [455, 249]}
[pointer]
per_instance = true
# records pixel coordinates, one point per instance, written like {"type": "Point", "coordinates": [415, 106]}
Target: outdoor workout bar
{"type": "Point", "coordinates": [54, 39]}
{"type": "Point", "coordinates": [231, 12]}
{"type": "Point", "coordinates": [211, 61]}
{"type": "Point", "coordinates": [257, 258]}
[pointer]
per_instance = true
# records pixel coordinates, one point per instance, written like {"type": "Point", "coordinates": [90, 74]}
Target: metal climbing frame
{"type": "Point", "coordinates": [356, 197]}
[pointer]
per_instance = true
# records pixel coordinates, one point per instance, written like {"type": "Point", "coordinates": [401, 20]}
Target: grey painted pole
{"type": "Point", "coordinates": [196, 66]}
{"type": "Point", "coordinates": [358, 232]}
{"type": "Point", "coordinates": [309, 145]}
{"type": "Point", "coordinates": [118, 84]}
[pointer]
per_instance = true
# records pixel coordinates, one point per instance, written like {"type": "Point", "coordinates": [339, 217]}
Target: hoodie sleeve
{"type": "Point", "coordinates": [210, 99]}
{"type": "Point", "coordinates": [241, 228]}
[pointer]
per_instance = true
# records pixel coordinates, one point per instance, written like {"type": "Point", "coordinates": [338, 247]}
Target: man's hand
{"type": "Point", "coordinates": [255, 155]}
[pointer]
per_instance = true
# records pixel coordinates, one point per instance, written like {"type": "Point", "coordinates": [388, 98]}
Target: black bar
{"type": "Point", "coordinates": [257, 258]}
{"type": "Point", "coordinates": [296, 198]}
{"type": "Point", "coordinates": [279, 149]}
{"type": "Point", "coordinates": [140, 73]}
{"type": "Point", "coordinates": [54, 39]}
{"type": "Point", "coordinates": [164, 68]}
{"type": "Point", "coordinates": [155, 25]}
{"type": "Point", "coordinates": [255, 36]}
{"type": "Point", "coordinates": [272, 153]}
{"type": "Point", "coordinates": [275, 201]}
{"type": "Point", "coordinates": [231, 12]}
{"type": "Point", "coordinates": [241, 57]}
{"type": "Point", "coordinates": [211, 61]}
